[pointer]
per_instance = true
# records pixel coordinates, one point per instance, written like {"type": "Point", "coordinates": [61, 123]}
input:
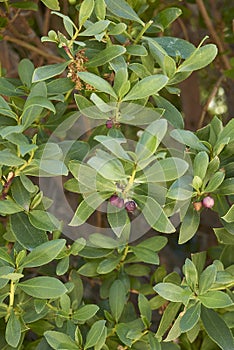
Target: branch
{"type": "Point", "coordinates": [33, 48]}
{"type": "Point", "coordinates": [210, 98]}
{"type": "Point", "coordinates": [213, 33]}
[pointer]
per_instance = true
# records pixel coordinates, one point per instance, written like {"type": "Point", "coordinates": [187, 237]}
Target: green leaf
{"type": "Point", "coordinates": [146, 255]}
{"type": "Point", "coordinates": [25, 70]}
{"type": "Point", "coordinates": [37, 101]}
{"type": "Point", "coordinates": [189, 225]}
{"type": "Point", "coordinates": [146, 87]}
{"type": "Point", "coordinates": [119, 221]}
{"type": "Point", "coordinates": [171, 113]}
{"type": "Point", "coordinates": [94, 334]}
{"type": "Point", "coordinates": [154, 214]}
{"type": "Point", "coordinates": [174, 47]}
{"type": "Point", "coordinates": [215, 181]}
{"type": "Point", "coordinates": [6, 257]}
{"type": "Point", "coordinates": [155, 243]}
{"type": "Point", "coordinates": [86, 208]}
{"type": "Point", "coordinates": [145, 309]}
{"type": "Point", "coordinates": [103, 241]}
{"type": "Point", "coordinates": [137, 50]}
{"type": "Point", "coordinates": [229, 216]}
{"type": "Point", "coordinates": [52, 4]}
{"type": "Point", "coordinates": [44, 253]}
{"type": "Point", "coordinates": [8, 89]}
{"type": "Point", "coordinates": [168, 317]}
{"type": "Point", "coordinates": [117, 299]}
{"type": "Point", "coordinates": [227, 187]}
{"type": "Point", "coordinates": [215, 299]}
{"type": "Point", "coordinates": [217, 329]}
{"type": "Point", "coordinates": [113, 145]}
{"type": "Point", "coordinates": [96, 28]}
{"type": "Point", "coordinates": [207, 278]}
{"type": "Point", "coordinates": [47, 72]}
{"type": "Point", "coordinates": [191, 274]}
{"type": "Point", "coordinates": [123, 10]}
{"type": "Point", "coordinates": [106, 55]}
{"type": "Point", "coordinates": [108, 265]}
{"type": "Point", "coordinates": [43, 220]}
{"type": "Point", "coordinates": [26, 234]}
{"type": "Point", "coordinates": [8, 207]}
{"type": "Point", "coordinates": [150, 140]}
{"type": "Point", "coordinates": [97, 82]}
{"type": "Point", "coordinates": [166, 17]}
{"type": "Point", "coordinates": [89, 269]}
{"type": "Point", "coordinates": [43, 287]}
{"type": "Point", "coordinates": [10, 159]}
{"type": "Point", "coordinates": [167, 169]}
{"type": "Point", "coordinates": [190, 317]}
{"type": "Point", "coordinates": [13, 330]}
{"type": "Point", "coordinates": [85, 312]}
{"type": "Point", "coordinates": [107, 166]}
{"type": "Point", "coordinates": [200, 58]}
{"type": "Point", "coordinates": [60, 341]}
{"type": "Point", "coordinates": [223, 236]}
{"type": "Point", "coordinates": [85, 12]}
{"type": "Point", "coordinates": [201, 158]}
{"type": "Point", "coordinates": [175, 330]}
{"type": "Point", "coordinates": [100, 9]}
{"type": "Point", "coordinates": [172, 292]}
{"type": "Point", "coordinates": [187, 138]}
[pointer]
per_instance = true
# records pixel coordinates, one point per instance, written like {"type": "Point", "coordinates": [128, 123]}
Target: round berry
{"type": "Point", "coordinates": [208, 202]}
{"type": "Point", "coordinates": [197, 205]}
{"type": "Point", "coordinates": [116, 201]}
{"type": "Point", "coordinates": [109, 124]}
{"type": "Point", "coordinates": [130, 206]}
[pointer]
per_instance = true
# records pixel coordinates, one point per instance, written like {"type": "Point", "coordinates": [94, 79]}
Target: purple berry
{"type": "Point", "coordinates": [109, 124]}
{"type": "Point", "coordinates": [208, 202]}
{"type": "Point", "coordinates": [116, 201]}
{"type": "Point", "coordinates": [130, 206]}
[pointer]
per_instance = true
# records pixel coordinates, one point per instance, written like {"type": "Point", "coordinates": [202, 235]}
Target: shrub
{"type": "Point", "coordinates": [82, 273]}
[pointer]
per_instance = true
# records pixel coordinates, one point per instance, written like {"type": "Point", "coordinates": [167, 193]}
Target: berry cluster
{"type": "Point", "coordinates": [118, 202]}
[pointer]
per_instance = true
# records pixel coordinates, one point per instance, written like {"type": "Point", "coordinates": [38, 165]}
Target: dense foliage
{"type": "Point", "coordinates": [96, 170]}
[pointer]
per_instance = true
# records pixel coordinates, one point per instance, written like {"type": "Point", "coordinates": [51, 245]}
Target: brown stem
{"type": "Point", "coordinates": [33, 48]}
{"type": "Point", "coordinates": [210, 98]}
{"type": "Point", "coordinates": [213, 33]}
{"type": "Point", "coordinates": [7, 185]}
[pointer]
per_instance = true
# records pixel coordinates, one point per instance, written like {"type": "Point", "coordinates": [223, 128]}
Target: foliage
{"type": "Point", "coordinates": [117, 70]}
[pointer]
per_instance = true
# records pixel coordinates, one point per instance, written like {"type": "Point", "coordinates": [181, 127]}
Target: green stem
{"type": "Point", "coordinates": [131, 181]}
{"type": "Point", "coordinates": [143, 30]}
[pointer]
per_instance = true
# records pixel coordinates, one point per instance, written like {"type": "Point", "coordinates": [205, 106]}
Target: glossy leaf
{"type": "Point", "coordinates": [13, 330]}
{"type": "Point", "coordinates": [26, 234]}
{"type": "Point", "coordinates": [172, 292]}
{"type": "Point", "coordinates": [43, 287]}
{"type": "Point", "coordinates": [47, 72]}
{"type": "Point", "coordinates": [117, 299]}
{"type": "Point", "coordinates": [146, 87]}
{"type": "Point", "coordinates": [190, 317]}
{"type": "Point", "coordinates": [85, 312]}
{"type": "Point", "coordinates": [229, 216]}
{"type": "Point", "coordinates": [217, 329]}
{"type": "Point", "coordinates": [215, 299]}
{"type": "Point", "coordinates": [189, 225]}
{"type": "Point", "coordinates": [106, 55]}
{"type": "Point", "coordinates": [207, 278]}
{"type": "Point", "coordinates": [97, 82]}
{"type": "Point", "coordinates": [124, 10]}
{"type": "Point", "coordinates": [58, 340]}
{"type": "Point", "coordinates": [44, 253]}
{"type": "Point", "coordinates": [94, 334]}
{"type": "Point", "coordinates": [85, 12]}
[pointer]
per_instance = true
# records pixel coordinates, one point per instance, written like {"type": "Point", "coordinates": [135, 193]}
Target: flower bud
{"type": "Point", "coordinates": [130, 206]}
{"type": "Point", "coordinates": [208, 202]}
{"type": "Point", "coordinates": [109, 124]}
{"type": "Point", "coordinates": [116, 201]}
{"type": "Point", "coordinates": [197, 205]}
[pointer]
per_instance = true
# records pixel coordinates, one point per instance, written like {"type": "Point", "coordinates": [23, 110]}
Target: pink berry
{"type": "Point", "coordinates": [208, 202]}
{"type": "Point", "coordinates": [109, 124]}
{"type": "Point", "coordinates": [116, 201]}
{"type": "Point", "coordinates": [130, 206]}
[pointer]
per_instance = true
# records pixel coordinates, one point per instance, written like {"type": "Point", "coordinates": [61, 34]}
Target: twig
{"type": "Point", "coordinates": [213, 33]}
{"type": "Point", "coordinates": [33, 48]}
{"type": "Point", "coordinates": [210, 98]}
